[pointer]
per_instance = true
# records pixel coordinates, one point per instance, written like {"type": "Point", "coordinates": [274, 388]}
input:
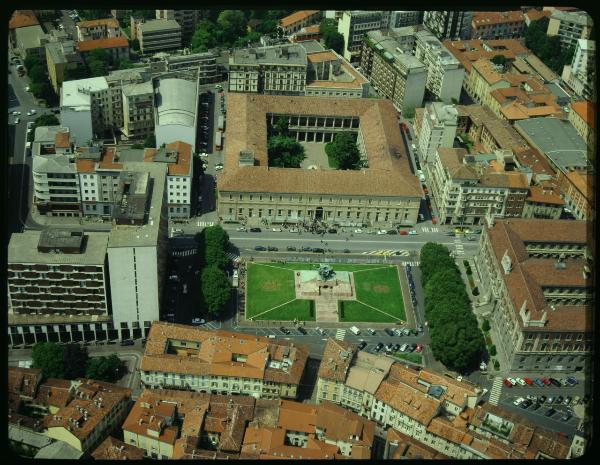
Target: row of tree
{"type": "Point", "coordinates": [97, 63]}
{"type": "Point", "coordinates": [39, 84]}
{"type": "Point", "coordinates": [456, 339]}
{"type": "Point", "coordinates": [72, 361]}
{"type": "Point", "coordinates": [547, 48]}
{"type": "Point", "coordinates": [215, 287]}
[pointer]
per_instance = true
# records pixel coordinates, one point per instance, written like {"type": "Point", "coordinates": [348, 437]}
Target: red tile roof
{"type": "Point", "coordinates": [22, 18]}
{"type": "Point", "coordinates": [113, 42]}
{"type": "Point", "coordinates": [586, 111]}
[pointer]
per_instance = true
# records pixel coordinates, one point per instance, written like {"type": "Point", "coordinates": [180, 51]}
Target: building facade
{"type": "Point", "coordinates": [253, 366]}
{"type": "Point", "coordinates": [580, 76]}
{"type": "Point", "coordinates": [570, 26]}
{"type": "Point", "coordinates": [578, 191]}
{"type": "Point", "coordinates": [138, 110]}
{"type": "Point", "coordinates": [159, 35]}
{"type": "Point", "coordinates": [436, 128]}
{"type": "Point", "coordinates": [583, 118]}
{"type": "Point", "coordinates": [353, 25]}
{"type": "Point", "coordinates": [187, 19]}
{"type": "Point", "coordinates": [497, 24]}
{"type": "Point", "coordinates": [537, 274]}
{"type": "Point", "coordinates": [106, 28]}
{"type": "Point", "coordinates": [61, 56]}
{"type": "Point", "coordinates": [454, 25]}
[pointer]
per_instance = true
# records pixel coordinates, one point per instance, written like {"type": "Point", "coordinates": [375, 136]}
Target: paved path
{"type": "Point", "coordinates": [496, 391]}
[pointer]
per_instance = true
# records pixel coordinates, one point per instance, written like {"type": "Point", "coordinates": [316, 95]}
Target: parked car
{"type": "Point", "coordinates": [559, 400]}
{"type": "Point", "coordinates": [397, 332]}
{"type": "Point", "coordinates": [536, 406]}
{"type": "Point", "coordinates": [276, 229]}
{"type": "Point", "coordinates": [272, 248]}
{"type": "Point", "coordinates": [571, 380]}
{"type": "Point", "coordinates": [379, 346]}
{"type": "Point", "coordinates": [290, 248]}
{"type": "Point", "coordinates": [241, 228]}
{"type": "Point", "coordinates": [550, 400]}
{"type": "Point", "coordinates": [403, 347]}
{"type": "Point", "coordinates": [542, 399]}
{"type": "Point", "coordinates": [127, 342]}
{"type": "Point", "coordinates": [550, 412]}
{"type": "Point", "coordinates": [321, 331]}
{"type": "Point", "coordinates": [301, 330]}
{"type": "Point", "coordinates": [391, 232]}
{"type": "Point", "coordinates": [396, 348]}
{"type": "Point", "coordinates": [406, 332]}
{"type": "Point", "coordinates": [284, 330]}
{"type": "Point", "coordinates": [362, 345]}
{"type": "Point", "coordinates": [413, 347]}
{"type": "Point", "coordinates": [318, 250]}
{"type": "Point", "coordinates": [519, 401]}
{"type": "Point", "coordinates": [382, 231]}
{"type": "Point", "coordinates": [371, 331]}
{"type": "Point", "coordinates": [17, 120]}
{"type": "Point", "coordinates": [546, 381]}
{"type": "Point", "coordinates": [260, 248]}
{"type": "Point", "coordinates": [526, 403]}
{"type": "Point", "coordinates": [413, 232]}
{"type": "Point", "coordinates": [538, 382]}
{"type": "Point", "coordinates": [255, 230]}
{"type": "Point", "coordinates": [389, 332]}
{"type": "Point", "coordinates": [567, 400]}
{"type": "Point", "coordinates": [306, 249]}
{"type": "Point", "coordinates": [520, 381]}
{"type": "Point", "coordinates": [566, 417]}
{"type": "Point", "coordinates": [198, 321]}
{"type": "Point", "coordinates": [358, 231]}
{"type": "Point", "coordinates": [389, 347]}
{"type": "Point", "coordinates": [555, 382]}
{"type": "Point", "coordinates": [347, 251]}
{"type": "Point", "coordinates": [332, 231]}
{"type": "Point", "coordinates": [512, 381]}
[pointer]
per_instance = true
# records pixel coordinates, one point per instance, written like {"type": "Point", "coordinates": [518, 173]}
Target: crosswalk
{"type": "Point", "coordinates": [388, 252]}
{"type": "Point", "coordinates": [458, 247]}
{"type": "Point", "coordinates": [184, 253]}
{"type": "Point", "coordinates": [232, 256]}
{"type": "Point", "coordinates": [429, 229]}
{"type": "Point", "coordinates": [417, 263]}
{"type": "Point", "coordinates": [340, 334]}
{"type": "Point", "coordinates": [496, 391]}
{"type": "Point", "coordinates": [205, 224]}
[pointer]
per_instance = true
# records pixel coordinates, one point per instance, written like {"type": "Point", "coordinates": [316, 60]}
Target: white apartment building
{"type": "Point", "coordinates": [137, 248]}
{"type": "Point", "coordinates": [106, 28]}
{"type": "Point", "coordinates": [158, 35]}
{"type": "Point", "coordinates": [79, 108]}
{"type": "Point", "coordinates": [570, 26]}
{"type": "Point", "coordinates": [437, 128]}
{"type": "Point", "coordinates": [277, 70]}
{"type": "Point", "coordinates": [176, 109]}
{"type": "Point", "coordinates": [445, 73]}
{"type": "Point", "coordinates": [221, 362]}
{"type": "Point", "coordinates": [580, 76]}
{"type": "Point", "coordinates": [453, 25]}
{"type": "Point", "coordinates": [355, 24]}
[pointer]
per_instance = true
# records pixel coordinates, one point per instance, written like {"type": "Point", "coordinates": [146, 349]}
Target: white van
{"type": "Point", "coordinates": [355, 330]}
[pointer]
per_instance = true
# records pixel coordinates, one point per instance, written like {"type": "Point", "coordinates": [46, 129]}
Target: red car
{"type": "Point", "coordinates": [528, 381]}
{"type": "Point", "coordinates": [433, 220]}
{"type": "Point", "coordinates": [507, 383]}
{"type": "Point", "coordinates": [419, 348]}
{"type": "Point", "coordinates": [403, 232]}
{"type": "Point", "coordinates": [546, 381]}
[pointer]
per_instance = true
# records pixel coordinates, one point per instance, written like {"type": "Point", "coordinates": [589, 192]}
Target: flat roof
{"type": "Point", "coordinates": [23, 248]}
{"type": "Point", "coordinates": [29, 36]}
{"type": "Point", "coordinates": [76, 93]}
{"type": "Point", "coordinates": [177, 102]}
{"type": "Point", "coordinates": [138, 88]}
{"type": "Point", "coordinates": [388, 174]}
{"type": "Point", "coordinates": [557, 139]}
{"type": "Point", "coordinates": [159, 25]}
{"type": "Point", "coordinates": [147, 234]}
{"type": "Point", "coordinates": [287, 54]}
{"type": "Point", "coordinates": [312, 46]}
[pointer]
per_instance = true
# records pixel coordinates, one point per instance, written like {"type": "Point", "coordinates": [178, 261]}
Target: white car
{"type": "Point", "coordinates": [198, 321]}
{"type": "Point", "coordinates": [26, 88]}
{"type": "Point", "coordinates": [519, 401]}
{"type": "Point", "coordinates": [412, 232]}
{"type": "Point", "coordinates": [218, 167]}
{"type": "Point", "coordinates": [294, 230]}
{"type": "Point", "coordinates": [520, 381]}
{"type": "Point", "coordinates": [382, 231]}
{"type": "Point", "coordinates": [512, 381]}
{"type": "Point", "coordinates": [241, 228]}
{"type": "Point", "coordinates": [17, 120]}
{"type": "Point", "coordinates": [32, 111]}
{"type": "Point", "coordinates": [358, 231]}
{"type": "Point", "coordinates": [203, 155]}
{"type": "Point", "coordinates": [16, 113]}
{"type": "Point", "coordinates": [276, 229]}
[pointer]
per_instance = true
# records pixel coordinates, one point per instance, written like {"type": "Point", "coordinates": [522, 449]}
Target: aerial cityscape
{"type": "Point", "coordinates": [314, 234]}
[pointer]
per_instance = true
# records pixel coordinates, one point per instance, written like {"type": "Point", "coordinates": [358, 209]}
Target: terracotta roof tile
{"type": "Point", "coordinates": [586, 111]}
{"type": "Point", "coordinates": [112, 42]}
{"type": "Point", "coordinates": [410, 448]}
{"type": "Point", "coordinates": [113, 449]}
{"type": "Point", "coordinates": [61, 140]}
{"type": "Point", "coordinates": [295, 17]}
{"type": "Point", "coordinates": [336, 359]}
{"type": "Point", "coordinates": [110, 22]}
{"type": "Point", "coordinates": [54, 392]}
{"type": "Point", "coordinates": [22, 18]}
{"type": "Point", "coordinates": [539, 194]}
{"type": "Point", "coordinates": [482, 18]}
{"type": "Point", "coordinates": [23, 381]}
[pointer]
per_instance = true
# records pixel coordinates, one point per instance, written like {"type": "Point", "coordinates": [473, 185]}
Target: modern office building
{"type": "Point", "coordinates": [404, 19]}
{"type": "Point", "coordinates": [570, 26]}
{"type": "Point", "coordinates": [187, 19]}
{"type": "Point", "coordinates": [176, 108]}
{"type": "Point", "coordinates": [205, 63]}
{"type": "Point", "coordinates": [56, 277]}
{"type": "Point", "coordinates": [277, 70]}
{"type": "Point", "coordinates": [537, 275]}
{"type": "Point", "coordinates": [454, 25]}
{"type": "Point", "coordinates": [106, 28]}
{"type": "Point", "coordinates": [159, 35]}
{"type": "Point", "coordinates": [445, 73]}
{"type": "Point", "coordinates": [397, 76]}
{"type": "Point", "coordinates": [221, 362]}
{"type": "Point", "coordinates": [353, 25]}
{"type": "Point", "coordinates": [435, 127]}
{"type": "Point", "coordinates": [497, 24]}
{"type": "Point", "coordinates": [383, 194]}
{"type": "Point", "coordinates": [580, 75]}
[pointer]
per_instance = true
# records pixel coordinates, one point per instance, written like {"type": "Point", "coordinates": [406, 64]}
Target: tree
{"type": "Point", "coordinates": [231, 25]}
{"type": "Point", "coordinates": [93, 14]}
{"type": "Point", "coordinates": [49, 357]}
{"type": "Point", "coordinates": [331, 37]}
{"type": "Point", "coordinates": [285, 152]}
{"type": "Point", "coordinates": [344, 152]}
{"type": "Point", "coordinates": [485, 325]}
{"type": "Point", "coordinates": [104, 368]}
{"type": "Point", "coordinates": [216, 289]}
{"type": "Point", "coordinates": [134, 45]}
{"type": "Point", "coordinates": [268, 26]}
{"type": "Point", "coordinates": [75, 360]}
{"type": "Point", "coordinates": [204, 37]}
{"type": "Point", "coordinates": [493, 350]}
{"type": "Point", "coordinates": [37, 73]}
{"type": "Point", "coordinates": [281, 126]}
{"type": "Point", "coordinates": [250, 38]}
{"type": "Point", "coordinates": [408, 113]}
{"type": "Point", "coordinates": [124, 63]}
{"type": "Point", "coordinates": [31, 60]}
{"type": "Point", "coordinates": [150, 141]}
{"type": "Point", "coordinates": [97, 68]}
{"type": "Point", "coordinates": [79, 72]}
{"type": "Point", "coordinates": [146, 14]}
{"type": "Point", "coordinates": [499, 60]}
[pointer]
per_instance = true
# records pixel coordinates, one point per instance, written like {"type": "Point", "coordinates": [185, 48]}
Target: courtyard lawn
{"type": "Point", "coordinates": [303, 310]}
{"type": "Point", "coordinates": [268, 287]}
{"type": "Point", "coordinates": [335, 266]}
{"type": "Point", "coordinates": [410, 356]}
{"type": "Point", "coordinates": [355, 311]}
{"type": "Point", "coordinates": [380, 288]}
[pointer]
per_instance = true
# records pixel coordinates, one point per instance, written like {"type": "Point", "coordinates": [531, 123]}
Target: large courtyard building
{"type": "Point", "coordinates": [537, 275]}
{"type": "Point", "coordinates": [221, 362]}
{"type": "Point", "coordinates": [278, 70]}
{"type": "Point", "coordinates": [384, 193]}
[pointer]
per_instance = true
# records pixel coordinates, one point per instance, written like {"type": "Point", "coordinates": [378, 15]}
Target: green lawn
{"type": "Point", "coordinates": [379, 298]}
{"type": "Point", "coordinates": [380, 288]}
{"type": "Point", "coordinates": [410, 356]}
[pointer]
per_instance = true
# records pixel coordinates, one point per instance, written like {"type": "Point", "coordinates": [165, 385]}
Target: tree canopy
{"type": "Point", "coordinates": [49, 357]}
{"type": "Point", "coordinates": [150, 141]}
{"type": "Point", "coordinates": [46, 119]}
{"type": "Point", "coordinates": [343, 152]}
{"type": "Point", "coordinates": [330, 35]}
{"type": "Point", "coordinates": [456, 339]}
{"type": "Point", "coordinates": [547, 48]}
{"type": "Point", "coordinates": [75, 360]}
{"type": "Point", "coordinates": [285, 152]}
{"type": "Point", "coordinates": [104, 368]}
{"type": "Point", "coordinates": [498, 60]}
{"type": "Point", "coordinates": [94, 14]}
{"type": "Point", "coordinates": [216, 289]}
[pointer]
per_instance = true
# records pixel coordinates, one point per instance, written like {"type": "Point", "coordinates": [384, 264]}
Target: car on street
{"type": "Point", "coordinates": [332, 231]}
{"type": "Point", "coordinates": [260, 248]}
{"type": "Point", "coordinates": [392, 232]}
{"type": "Point", "coordinates": [198, 321]}
{"type": "Point", "coordinates": [519, 401]}
{"type": "Point", "coordinates": [528, 381]}
{"type": "Point", "coordinates": [520, 381]}
{"type": "Point", "coordinates": [356, 231]}
{"type": "Point", "coordinates": [127, 342]}
{"type": "Point", "coordinates": [255, 230]}
{"type": "Point", "coordinates": [306, 249]}
{"type": "Point", "coordinates": [389, 332]}
{"type": "Point", "coordinates": [321, 331]}
{"type": "Point", "coordinates": [272, 248]}
{"type": "Point", "coordinates": [550, 412]}
{"type": "Point", "coordinates": [241, 228]}
{"type": "Point", "coordinates": [284, 330]}
{"type": "Point", "coordinates": [276, 229]}
{"type": "Point", "coordinates": [290, 248]}
{"type": "Point", "coordinates": [318, 250]}
{"type": "Point", "coordinates": [382, 231]}
{"type": "Point", "coordinates": [413, 232]}
{"type": "Point", "coordinates": [512, 381]}
{"type": "Point", "coordinates": [538, 382]}
{"type": "Point", "coordinates": [371, 331]}
{"type": "Point", "coordinates": [301, 330]}
{"type": "Point", "coordinates": [346, 250]}
{"type": "Point", "coordinates": [555, 382]}
{"type": "Point", "coordinates": [362, 345]}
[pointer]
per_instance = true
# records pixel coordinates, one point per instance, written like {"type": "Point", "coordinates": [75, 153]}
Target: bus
{"type": "Point", "coordinates": [219, 141]}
